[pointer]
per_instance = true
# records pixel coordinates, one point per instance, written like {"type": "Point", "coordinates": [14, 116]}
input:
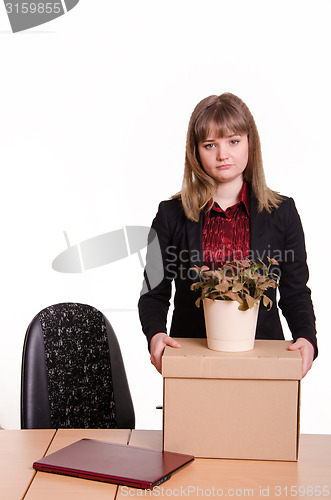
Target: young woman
{"type": "Point", "coordinates": [225, 211]}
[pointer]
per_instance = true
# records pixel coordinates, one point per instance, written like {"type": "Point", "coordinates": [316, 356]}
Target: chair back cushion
{"type": "Point", "coordinates": [78, 367]}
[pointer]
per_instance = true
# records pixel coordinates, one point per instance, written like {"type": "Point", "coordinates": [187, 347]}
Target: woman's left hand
{"type": "Point", "coordinates": [307, 352]}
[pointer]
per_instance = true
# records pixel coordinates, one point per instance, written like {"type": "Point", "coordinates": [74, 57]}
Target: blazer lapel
{"type": "Point", "coordinates": [194, 241]}
{"type": "Point", "coordinates": [259, 231]}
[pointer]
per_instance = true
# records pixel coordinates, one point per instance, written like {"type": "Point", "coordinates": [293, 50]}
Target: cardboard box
{"type": "Point", "coordinates": [241, 405]}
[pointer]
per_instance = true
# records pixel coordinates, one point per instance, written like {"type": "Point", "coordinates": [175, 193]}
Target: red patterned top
{"type": "Point", "coordinates": [226, 233]}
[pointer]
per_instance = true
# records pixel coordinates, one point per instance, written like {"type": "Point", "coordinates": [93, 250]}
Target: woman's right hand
{"type": "Point", "coordinates": [157, 346]}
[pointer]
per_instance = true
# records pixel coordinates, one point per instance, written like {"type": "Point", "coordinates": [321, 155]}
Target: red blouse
{"type": "Point", "coordinates": [226, 233]}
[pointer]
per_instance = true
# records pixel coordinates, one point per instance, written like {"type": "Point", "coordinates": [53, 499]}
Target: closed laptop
{"type": "Point", "coordinates": [113, 463]}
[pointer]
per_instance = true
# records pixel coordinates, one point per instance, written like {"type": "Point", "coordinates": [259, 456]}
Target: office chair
{"type": "Point", "coordinates": [73, 374]}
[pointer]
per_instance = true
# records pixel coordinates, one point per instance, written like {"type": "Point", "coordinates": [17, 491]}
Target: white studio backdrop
{"type": "Point", "coordinates": [94, 111]}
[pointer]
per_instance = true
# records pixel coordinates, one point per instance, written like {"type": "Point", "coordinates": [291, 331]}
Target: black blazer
{"type": "Point", "coordinates": [278, 235]}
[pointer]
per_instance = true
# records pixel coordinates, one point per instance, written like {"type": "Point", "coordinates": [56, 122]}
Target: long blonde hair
{"type": "Point", "coordinates": [228, 113]}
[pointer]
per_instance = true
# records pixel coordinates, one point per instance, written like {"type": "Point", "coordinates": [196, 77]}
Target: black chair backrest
{"type": "Point", "coordinates": [73, 374]}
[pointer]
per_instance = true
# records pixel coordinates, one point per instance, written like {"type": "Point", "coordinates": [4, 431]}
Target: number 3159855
{"type": "Point", "coordinates": [34, 8]}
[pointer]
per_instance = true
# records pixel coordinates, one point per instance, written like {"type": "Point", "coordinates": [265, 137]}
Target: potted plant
{"type": "Point", "coordinates": [231, 297]}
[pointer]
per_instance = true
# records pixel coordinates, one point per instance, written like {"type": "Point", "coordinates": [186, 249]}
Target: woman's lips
{"type": "Point", "coordinates": [221, 167]}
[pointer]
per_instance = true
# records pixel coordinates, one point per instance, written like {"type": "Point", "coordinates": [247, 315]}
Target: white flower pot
{"type": "Point", "coordinates": [227, 328]}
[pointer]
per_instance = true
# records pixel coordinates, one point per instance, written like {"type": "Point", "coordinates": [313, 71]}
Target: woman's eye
{"type": "Point", "coordinates": [234, 141]}
{"type": "Point", "coordinates": [209, 146]}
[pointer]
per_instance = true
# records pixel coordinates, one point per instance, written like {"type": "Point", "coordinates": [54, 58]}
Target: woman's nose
{"type": "Point", "coordinates": [222, 153]}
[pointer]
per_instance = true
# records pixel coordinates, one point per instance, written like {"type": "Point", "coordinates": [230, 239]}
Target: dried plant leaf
{"type": "Point", "coordinates": [267, 302]}
{"type": "Point", "coordinates": [250, 301]}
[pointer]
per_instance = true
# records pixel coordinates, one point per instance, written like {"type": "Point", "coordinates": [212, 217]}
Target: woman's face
{"type": "Point", "coordinates": [224, 158]}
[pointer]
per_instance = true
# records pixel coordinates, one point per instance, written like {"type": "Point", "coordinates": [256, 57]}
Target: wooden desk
{"type": "Point", "coordinates": [249, 478]}
{"type": "Point", "coordinates": [18, 451]}
{"type": "Point", "coordinates": [308, 478]}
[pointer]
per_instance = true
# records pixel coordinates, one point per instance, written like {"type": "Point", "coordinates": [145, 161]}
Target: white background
{"type": "Point", "coordinates": [94, 111]}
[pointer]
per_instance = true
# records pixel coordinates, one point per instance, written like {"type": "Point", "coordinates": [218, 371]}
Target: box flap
{"type": "Point", "coordinates": [270, 359]}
